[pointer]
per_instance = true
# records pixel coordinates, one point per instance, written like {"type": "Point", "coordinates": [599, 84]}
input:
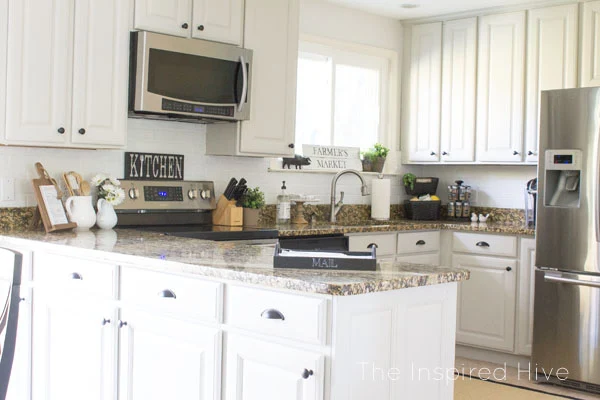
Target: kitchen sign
{"type": "Point", "coordinates": [154, 167]}
{"type": "Point", "coordinates": [332, 157]}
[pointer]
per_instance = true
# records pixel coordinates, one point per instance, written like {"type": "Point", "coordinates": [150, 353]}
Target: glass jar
{"type": "Point", "coordinates": [451, 209]}
{"type": "Point", "coordinates": [452, 192]}
{"type": "Point", "coordinates": [458, 209]}
{"type": "Point", "coordinates": [466, 211]}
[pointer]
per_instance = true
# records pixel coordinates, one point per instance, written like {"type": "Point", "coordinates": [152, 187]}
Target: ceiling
{"type": "Point", "coordinates": [426, 8]}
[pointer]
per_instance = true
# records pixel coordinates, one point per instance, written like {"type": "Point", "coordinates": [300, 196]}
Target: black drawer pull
{"type": "Point", "coordinates": [482, 244]}
{"type": "Point", "coordinates": [272, 314]}
{"type": "Point", "coordinates": [76, 276]}
{"type": "Point", "coordinates": [169, 294]}
{"type": "Point", "coordinates": [372, 245]}
{"type": "Point", "coordinates": [307, 373]}
{"type": "Point", "coordinates": [420, 243]}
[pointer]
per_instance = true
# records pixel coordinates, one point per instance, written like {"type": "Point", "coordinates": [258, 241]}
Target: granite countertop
{"type": "Point", "coordinates": [234, 261]}
{"type": "Point", "coordinates": [402, 225]}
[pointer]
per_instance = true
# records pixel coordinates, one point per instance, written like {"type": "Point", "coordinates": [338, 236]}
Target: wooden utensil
{"type": "Point", "coordinates": [85, 188]}
{"type": "Point", "coordinates": [73, 183]}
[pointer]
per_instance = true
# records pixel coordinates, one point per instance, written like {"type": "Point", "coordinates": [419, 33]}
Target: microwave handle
{"type": "Point", "coordinates": [244, 85]}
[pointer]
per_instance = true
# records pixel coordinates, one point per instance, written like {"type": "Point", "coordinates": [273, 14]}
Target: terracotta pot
{"type": "Point", "coordinates": [367, 165]}
{"type": "Point", "coordinates": [378, 164]}
{"type": "Point", "coordinates": [251, 216]}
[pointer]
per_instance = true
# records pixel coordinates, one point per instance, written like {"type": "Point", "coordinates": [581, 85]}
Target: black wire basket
{"type": "Point", "coordinates": [423, 186]}
{"type": "Point", "coordinates": [423, 210]}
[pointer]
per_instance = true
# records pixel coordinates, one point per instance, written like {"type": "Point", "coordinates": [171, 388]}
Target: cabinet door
{"type": "Point", "coordinates": [270, 129]}
{"type": "Point", "coordinates": [458, 90]}
{"type": "Point", "coordinates": [219, 20]}
{"type": "Point", "coordinates": [73, 351]}
{"type": "Point", "coordinates": [3, 45]}
{"type": "Point", "coordinates": [590, 44]}
{"type": "Point", "coordinates": [257, 370]}
{"type": "Point", "coordinates": [172, 17]}
{"type": "Point", "coordinates": [19, 386]}
{"type": "Point", "coordinates": [500, 87]}
{"type": "Point", "coordinates": [526, 296]}
{"type": "Point", "coordinates": [551, 62]}
{"type": "Point", "coordinates": [163, 358]}
{"type": "Point", "coordinates": [38, 87]}
{"type": "Point", "coordinates": [486, 302]}
{"type": "Point", "coordinates": [425, 91]}
{"type": "Point", "coordinates": [100, 72]}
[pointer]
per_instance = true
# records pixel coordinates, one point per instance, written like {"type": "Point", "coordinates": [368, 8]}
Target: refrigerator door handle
{"type": "Point", "coordinates": [570, 281]}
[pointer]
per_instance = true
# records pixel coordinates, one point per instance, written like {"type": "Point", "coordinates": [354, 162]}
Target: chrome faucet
{"type": "Point", "coordinates": [336, 207]}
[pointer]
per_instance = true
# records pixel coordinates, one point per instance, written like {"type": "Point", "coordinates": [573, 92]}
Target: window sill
{"type": "Point", "coordinates": [329, 171]}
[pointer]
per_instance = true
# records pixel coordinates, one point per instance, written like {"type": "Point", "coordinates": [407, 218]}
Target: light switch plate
{"type": "Point", "coordinates": [8, 189]}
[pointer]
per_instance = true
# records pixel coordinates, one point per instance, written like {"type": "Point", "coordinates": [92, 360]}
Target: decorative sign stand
{"type": "Point", "coordinates": [153, 167]}
{"type": "Point", "coordinates": [50, 208]}
{"type": "Point", "coordinates": [332, 157]}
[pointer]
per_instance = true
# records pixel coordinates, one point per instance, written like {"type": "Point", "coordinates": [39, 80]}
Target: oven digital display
{"type": "Point", "coordinates": [163, 193]}
{"type": "Point", "coordinates": [563, 159]}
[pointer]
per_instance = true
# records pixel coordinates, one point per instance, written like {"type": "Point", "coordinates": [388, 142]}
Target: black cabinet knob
{"type": "Point", "coordinates": [508, 269]}
{"type": "Point", "coordinates": [444, 153]}
{"type": "Point", "coordinates": [82, 131]}
{"type": "Point", "coordinates": [185, 26]}
{"type": "Point", "coordinates": [122, 324]}
{"type": "Point", "coordinates": [515, 153]}
{"type": "Point", "coordinates": [307, 373]}
{"type": "Point", "coordinates": [291, 145]}
{"type": "Point", "coordinates": [105, 321]}
{"type": "Point", "coordinates": [432, 153]}
{"type": "Point", "coordinates": [61, 130]}
{"type": "Point", "coordinates": [200, 27]}
{"type": "Point", "coordinates": [530, 153]}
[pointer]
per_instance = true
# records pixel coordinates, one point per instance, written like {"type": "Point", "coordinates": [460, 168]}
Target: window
{"type": "Point", "coordinates": [342, 95]}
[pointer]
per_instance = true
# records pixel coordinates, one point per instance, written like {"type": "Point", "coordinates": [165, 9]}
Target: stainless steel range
{"type": "Point", "coordinates": [179, 208]}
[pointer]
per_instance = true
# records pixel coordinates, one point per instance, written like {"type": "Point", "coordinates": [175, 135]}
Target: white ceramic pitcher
{"type": "Point", "coordinates": [106, 217]}
{"type": "Point", "coordinates": [81, 211]}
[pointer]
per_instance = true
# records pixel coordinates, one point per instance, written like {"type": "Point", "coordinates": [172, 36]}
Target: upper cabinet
{"type": "Point", "coordinates": [67, 73]}
{"type": "Point", "coordinates": [423, 139]}
{"type": "Point", "coordinates": [500, 87]}
{"type": "Point", "coordinates": [590, 45]}
{"type": "Point", "coordinates": [459, 69]}
{"type": "Point", "coordinates": [218, 20]}
{"type": "Point", "coordinates": [551, 62]}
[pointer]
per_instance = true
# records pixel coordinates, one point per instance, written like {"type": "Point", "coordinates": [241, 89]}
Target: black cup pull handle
{"type": "Point", "coordinates": [307, 373]}
{"type": "Point", "coordinates": [76, 276]}
{"type": "Point", "coordinates": [372, 245]}
{"type": "Point", "coordinates": [482, 244]}
{"type": "Point", "coordinates": [167, 293]}
{"type": "Point", "coordinates": [271, 313]}
{"type": "Point", "coordinates": [420, 243]}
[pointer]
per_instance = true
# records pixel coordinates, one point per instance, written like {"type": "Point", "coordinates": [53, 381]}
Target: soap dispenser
{"type": "Point", "coordinates": [283, 206]}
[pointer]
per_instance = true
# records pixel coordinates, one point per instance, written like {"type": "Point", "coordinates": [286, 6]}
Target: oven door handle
{"type": "Point", "coordinates": [570, 281]}
{"type": "Point", "coordinates": [244, 84]}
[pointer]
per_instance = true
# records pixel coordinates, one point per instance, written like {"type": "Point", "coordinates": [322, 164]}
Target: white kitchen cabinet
{"type": "Point", "coordinates": [67, 67]}
{"type": "Point", "coordinates": [486, 302]}
{"type": "Point", "coordinates": [257, 370]}
{"type": "Point", "coordinates": [385, 243]}
{"type": "Point", "coordinates": [551, 62]}
{"type": "Point", "coordinates": [172, 17]}
{"type": "Point", "coordinates": [423, 112]}
{"type": "Point", "coordinates": [500, 87]}
{"type": "Point", "coordinates": [165, 358]}
{"type": "Point", "coordinates": [73, 347]}
{"type": "Point", "coordinates": [3, 54]}
{"type": "Point", "coordinates": [19, 386]}
{"type": "Point", "coordinates": [270, 131]}
{"type": "Point", "coordinates": [218, 20]}
{"type": "Point", "coordinates": [526, 293]}
{"type": "Point", "coordinates": [458, 90]}
{"type": "Point", "coordinates": [590, 44]}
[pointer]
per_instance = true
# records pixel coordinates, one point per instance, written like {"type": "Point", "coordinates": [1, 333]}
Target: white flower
{"type": "Point", "coordinates": [109, 187]}
{"type": "Point", "coordinates": [115, 196]}
{"type": "Point", "coordinates": [99, 179]}
{"type": "Point", "coordinates": [114, 181]}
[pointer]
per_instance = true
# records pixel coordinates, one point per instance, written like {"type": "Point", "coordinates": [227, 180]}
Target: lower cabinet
{"type": "Point", "coordinates": [164, 358]}
{"type": "Point", "coordinates": [73, 348]}
{"type": "Point", "coordinates": [257, 370]}
{"type": "Point", "coordinates": [525, 295]}
{"type": "Point", "coordinates": [486, 302]}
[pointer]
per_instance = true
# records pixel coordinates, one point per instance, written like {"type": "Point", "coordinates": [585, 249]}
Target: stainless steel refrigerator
{"type": "Point", "coordinates": [566, 333]}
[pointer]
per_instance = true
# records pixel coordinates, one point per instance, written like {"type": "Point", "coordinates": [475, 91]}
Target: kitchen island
{"type": "Point", "coordinates": [120, 309]}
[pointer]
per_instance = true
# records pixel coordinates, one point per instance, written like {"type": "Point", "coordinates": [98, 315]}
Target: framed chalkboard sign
{"type": "Point", "coordinates": [153, 166]}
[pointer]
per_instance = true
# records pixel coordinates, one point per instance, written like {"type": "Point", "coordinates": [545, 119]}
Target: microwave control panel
{"type": "Point", "coordinates": [191, 108]}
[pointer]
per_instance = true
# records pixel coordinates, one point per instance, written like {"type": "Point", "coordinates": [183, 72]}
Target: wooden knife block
{"type": "Point", "coordinates": [227, 213]}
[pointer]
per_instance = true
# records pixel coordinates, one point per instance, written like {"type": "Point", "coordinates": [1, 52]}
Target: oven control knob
{"type": "Point", "coordinates": [192, 194]}
{"type": "Point", "coordinates": [205, 194]}
{"type": "Point", "coordinates": [133, 193]}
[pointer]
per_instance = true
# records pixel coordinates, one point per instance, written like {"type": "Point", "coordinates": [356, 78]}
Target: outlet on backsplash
{"type": "Point", "coordinates": [8, 189]}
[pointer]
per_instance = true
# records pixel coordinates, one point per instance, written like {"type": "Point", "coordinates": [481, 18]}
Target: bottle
{"type": "Point", "coordinates": [283, 206]}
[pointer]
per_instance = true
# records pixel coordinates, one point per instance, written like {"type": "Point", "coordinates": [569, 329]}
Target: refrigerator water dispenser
{"type": "Point", "coordinates": [563, 175]}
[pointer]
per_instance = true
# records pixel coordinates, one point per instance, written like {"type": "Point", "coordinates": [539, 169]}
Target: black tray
{"type": "Point", "coordinates": [327, 263]}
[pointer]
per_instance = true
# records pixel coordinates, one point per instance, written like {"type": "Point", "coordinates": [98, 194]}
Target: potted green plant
{"type": "Point", "coordinates": [367, 160]}
{"type": "Point", "coordinates": [379, 155]}
{"type": "Point", "coordinates": [252, 202]}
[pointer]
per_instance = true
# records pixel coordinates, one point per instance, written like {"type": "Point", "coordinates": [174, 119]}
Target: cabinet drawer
{"type": "Point", "coordinates": [190, 298]}
{"type": "Point", "coordinates": [386, 243]}
{"type": "Point", "coordinates": [64, 274]}
{"type": "Point", "coordinates": [418, 242]}
{"type": "Point", "coordinates": [493, 245]}
{"type": "Point", "coordinates": [426, 259]}
{"type": "Point", "coordinates": [275, 313]}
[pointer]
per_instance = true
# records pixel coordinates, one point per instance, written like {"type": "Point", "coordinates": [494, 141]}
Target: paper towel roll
{"type": "Point", "coordinates": [380, 199]}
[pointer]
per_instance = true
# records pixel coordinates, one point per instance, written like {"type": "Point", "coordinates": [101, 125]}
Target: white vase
{"type": "Point", "coordinates": [81, 211]}
{"type": "Point", "coordinates": [106, 217]}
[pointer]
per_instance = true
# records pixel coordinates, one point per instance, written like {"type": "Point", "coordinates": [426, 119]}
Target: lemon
{"type": "Point", "coordinates": [414, 199]}
{"type": "Point", "coordinates": [434, 197]}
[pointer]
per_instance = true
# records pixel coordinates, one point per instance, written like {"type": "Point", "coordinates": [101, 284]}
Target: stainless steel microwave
{"type": "Point", "coordinates": [188, 79]}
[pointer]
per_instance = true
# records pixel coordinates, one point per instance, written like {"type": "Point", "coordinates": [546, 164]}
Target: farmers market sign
{"type": "Point", "coordinates": [332, 157]}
